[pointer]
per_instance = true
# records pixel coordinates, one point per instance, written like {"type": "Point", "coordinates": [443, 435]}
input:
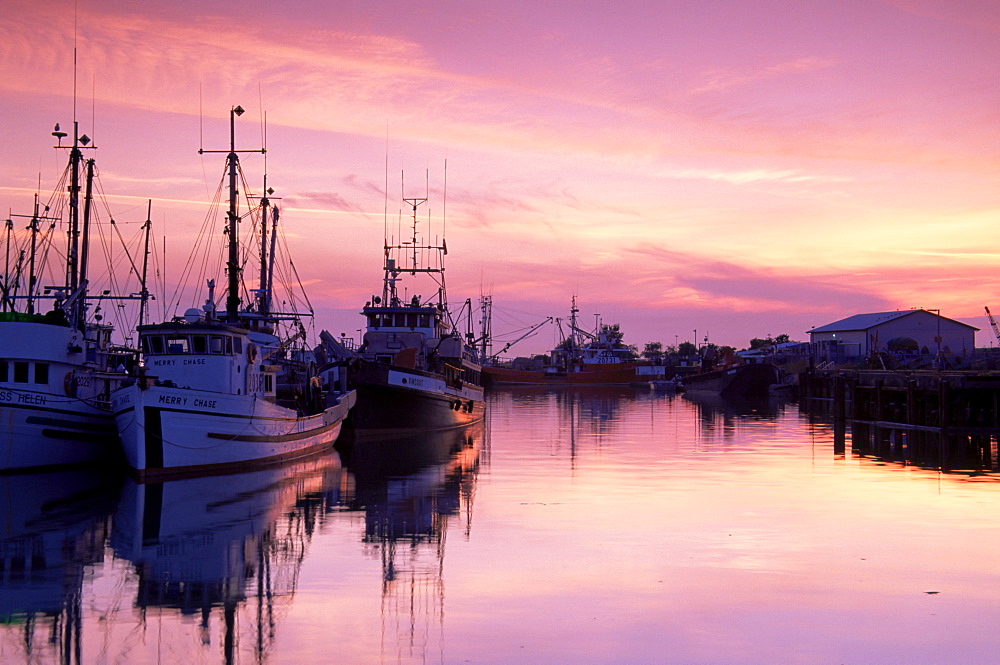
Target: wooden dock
{"type": "Point", "coordinates": [946, 419]}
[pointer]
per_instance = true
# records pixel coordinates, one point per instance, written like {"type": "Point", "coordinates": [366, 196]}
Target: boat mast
{"type": "Point", "coordinates": [88, 199]}
{"type": "Point", "coordinates": [144, 291]}
{"type": "Point", "coordinates": [267, 209]}
{"type": "Point", "coordinates": [486, 326]}
{"type": "Point", "coordinates": [270, 261]}
{"type": "Point", "coordinates": [232, 217]}
{"type": "Point", "coordinates": [32, 251]}
{"type": "Point", "coordinates": [265, 206]}
{"type": "Point", "coordinates": [9, 228]}
{"type": "Point", "coordinates": [572, 327]}
{"type": "Point", "coordinates": [76, 272]}
{"type": "Point", "coordinates": [73, 252]}
{"type": "Point", "coordinates": [233, 265]}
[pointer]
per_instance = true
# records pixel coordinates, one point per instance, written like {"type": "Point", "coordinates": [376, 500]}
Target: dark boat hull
{"type": "Point", "coordinates": [621, 374]}
{"type": "Point", "coordinates": [395, 399]}
{"type": "Point", "coordinates": [740, 381]}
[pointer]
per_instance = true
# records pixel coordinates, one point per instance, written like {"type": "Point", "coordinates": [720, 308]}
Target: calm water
{"type": "Point", "coordinates": [574, 527]}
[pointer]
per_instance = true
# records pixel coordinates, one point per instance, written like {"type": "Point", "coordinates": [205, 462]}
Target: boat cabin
{"type": "Point", "coordinates": [209, 356]}
{"type": "Point", "coordinates": [390, 330]}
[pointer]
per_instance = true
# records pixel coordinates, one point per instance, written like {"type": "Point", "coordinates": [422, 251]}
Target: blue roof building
{"type": "Point", "coordinates": [929, 332]}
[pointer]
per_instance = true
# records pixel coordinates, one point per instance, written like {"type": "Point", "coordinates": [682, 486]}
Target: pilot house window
{"type": "Point", "coordinates": [199, 344]}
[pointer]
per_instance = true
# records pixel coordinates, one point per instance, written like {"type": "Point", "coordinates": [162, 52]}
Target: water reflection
{"type": "Point", "coordinates": [53, 528]}
{"type": "Point", "coordinates": [409, 489]}
{"type": "Point", "coordinates": [947, 451]}
{"type": "Point", "coordinates": [654, 541]}
{"type": "Point", "coordinates": [219, 546]}
{"type": "Point", "coordinates": [927, 448]}
{"type": "Point", "coordinates": [724, 416]}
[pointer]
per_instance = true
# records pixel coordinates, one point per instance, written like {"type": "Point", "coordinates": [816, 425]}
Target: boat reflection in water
{"type": "Point", "coordinates": [229, 545]}
{"type": "Point", "coordinates": [52, 533]}
{"type": "Point", "coordinates": [721, 414]}
{"type": "Point", "coordinates": [409, 489]}
{"type": "Point", "coordinates": [599, 407]}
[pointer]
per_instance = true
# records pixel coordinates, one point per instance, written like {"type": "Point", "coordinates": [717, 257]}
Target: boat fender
{"type": "Point", "coordinates": [69, 384]}
{"type": "Point", "coordinates": [251, 352]}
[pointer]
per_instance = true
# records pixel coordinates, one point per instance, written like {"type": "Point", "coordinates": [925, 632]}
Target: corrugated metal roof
{"type": "Point", "coordinates": [867, 321]}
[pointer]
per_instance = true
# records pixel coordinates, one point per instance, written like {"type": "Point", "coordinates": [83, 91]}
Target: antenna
{"type": "Point", "coordinates": [74, 64]}
{"type": "Point", "coordinates": [385, 190]}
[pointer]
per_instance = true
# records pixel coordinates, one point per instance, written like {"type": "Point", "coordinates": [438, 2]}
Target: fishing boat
{"type": "Point", "coordinates": [235, 388]}
{"type": "Point", "coordinates": [583, 358]}
{"type": "Point", "coordinates": [743, 380]}
{"type": "Point", "coordinates": [58, 364]}
{"type": "Point", "coordinates": [415, 371]}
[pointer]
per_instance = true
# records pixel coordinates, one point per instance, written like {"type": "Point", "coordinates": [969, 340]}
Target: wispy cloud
{"type": "Point", "coordinates": [730, 78]}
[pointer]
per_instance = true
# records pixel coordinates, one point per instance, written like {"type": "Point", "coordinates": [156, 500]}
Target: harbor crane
{"type": "Point", "coordinates": [530, 331]}
{"type": "Point", "coordinates": [993, 322]}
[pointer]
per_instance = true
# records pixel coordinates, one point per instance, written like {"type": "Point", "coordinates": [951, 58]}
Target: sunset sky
{"type": "Point", "coordinates": [740, 169]}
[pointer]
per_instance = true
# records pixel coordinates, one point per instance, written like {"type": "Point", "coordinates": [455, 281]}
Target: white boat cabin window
{"type": "Point", "coordinates": [153, 344]}
{"type": "Point", "coordinates": [199, 344]}
{"type": "Point", "coordinates": [20, 372]}
{"type": "Point", "coordinates": [400, 320]}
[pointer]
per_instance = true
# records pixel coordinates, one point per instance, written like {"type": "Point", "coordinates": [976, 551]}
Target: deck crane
{"type": "Point", "coordinates": [530, 331]}
{"type": "Point", "coordinates": [993, 322]}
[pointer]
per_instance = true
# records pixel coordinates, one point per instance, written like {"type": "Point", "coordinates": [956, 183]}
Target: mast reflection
{"type": "Point", "coordinates": [228, 545]}
{"type": "Point", "coordinates": [52, 533]}
{"type": "Point", "coordinates": [410, 489]}
{"type": "Point", "coordinates": [723, 415]}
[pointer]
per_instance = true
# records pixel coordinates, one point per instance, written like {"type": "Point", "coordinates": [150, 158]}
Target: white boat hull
{"type": "Point", "coordinates": [166, 430]}
{"type": "Point", "coordinates": [60, 419]}
{"type": "Point", "coordinates": [60, 431]}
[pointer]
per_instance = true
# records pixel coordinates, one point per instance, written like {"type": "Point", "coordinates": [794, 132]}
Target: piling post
{"type": "Point", "coordinates": [911, 402]}
{"type": "Point", "coordinates": [839, 419]}
{"type": "Point", "coordinates": [839, 397]}
{"type": "Point", "coordinates": [879, 384]}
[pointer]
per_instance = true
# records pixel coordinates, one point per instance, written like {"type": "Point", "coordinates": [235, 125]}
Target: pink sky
{"type": "Point", "coordinates": [736, 169]}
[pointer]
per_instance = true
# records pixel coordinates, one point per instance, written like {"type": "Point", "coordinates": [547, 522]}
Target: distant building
{"type": "Point", "coordinates": [913, 330]}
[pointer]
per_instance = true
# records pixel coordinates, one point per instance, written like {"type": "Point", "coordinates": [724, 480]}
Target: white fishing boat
{"type": "Point", "coordinates": [57, 368]}
{"type": "Point", "coordinates": [233, 388]}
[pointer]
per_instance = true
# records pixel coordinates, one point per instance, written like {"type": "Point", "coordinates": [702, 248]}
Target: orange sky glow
{"type": "Point", "coordinates": [739, 170]}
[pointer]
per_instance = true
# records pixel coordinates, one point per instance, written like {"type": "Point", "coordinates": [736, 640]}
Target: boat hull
{"type": "Point", "coordinates": [67, 432]}
{"type": "Point", "coordinates": [741, 381]}
{"type": "Point", "coordinates": [396, 399]}
{"type": "Point", "coordinates": [60, 418]}
{"type": "Point", "coordinates": [176, 431]}
{"type": "Point", "coordinates": [583, 375]}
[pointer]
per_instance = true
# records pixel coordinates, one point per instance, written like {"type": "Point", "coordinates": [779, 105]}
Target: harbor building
{"type": "Point", "coordinates": [916, 331]}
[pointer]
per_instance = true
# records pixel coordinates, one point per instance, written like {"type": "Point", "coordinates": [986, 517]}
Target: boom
{"type": "Point", "coordinates": [993, 322]}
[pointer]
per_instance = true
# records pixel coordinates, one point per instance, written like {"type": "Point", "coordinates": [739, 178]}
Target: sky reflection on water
{"type": "Point", "coordinates": [584, 526]}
